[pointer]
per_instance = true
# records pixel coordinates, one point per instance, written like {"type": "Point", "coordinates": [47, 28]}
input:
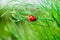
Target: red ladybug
{"type": "Point", "coordinates": [31, 18]}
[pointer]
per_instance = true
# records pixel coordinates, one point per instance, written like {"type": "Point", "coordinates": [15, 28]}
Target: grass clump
{"type": "Point", "coordinates": [15, 26]}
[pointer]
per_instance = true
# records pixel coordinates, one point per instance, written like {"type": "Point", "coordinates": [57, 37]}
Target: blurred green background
{"type": "Point", "coordinates": [14, 24]}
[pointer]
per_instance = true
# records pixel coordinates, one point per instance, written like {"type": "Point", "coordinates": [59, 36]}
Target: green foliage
{"type": "Point", "coordinates": [15, 26]}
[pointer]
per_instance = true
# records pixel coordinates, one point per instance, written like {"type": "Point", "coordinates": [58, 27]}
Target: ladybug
{"type": "Point", "coordinates": [31, 18]}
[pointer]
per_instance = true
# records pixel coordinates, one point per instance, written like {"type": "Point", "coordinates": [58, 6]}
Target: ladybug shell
{"type": "Point", "coordinates": [31, 18]}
